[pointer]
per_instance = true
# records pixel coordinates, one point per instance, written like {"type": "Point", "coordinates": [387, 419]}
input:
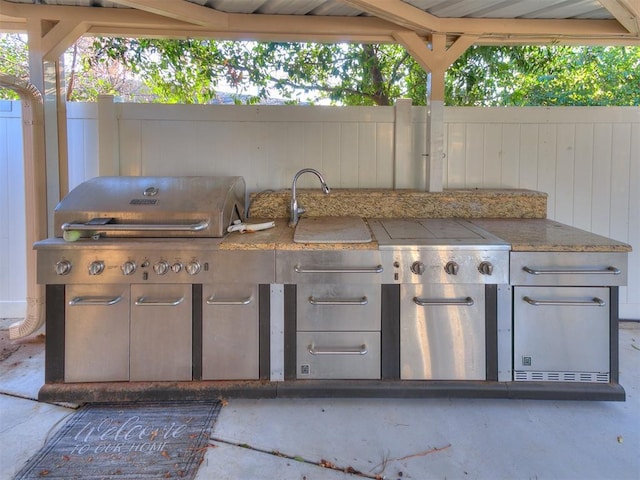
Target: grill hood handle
{"type": "Point", "coordinates": [102, 226]}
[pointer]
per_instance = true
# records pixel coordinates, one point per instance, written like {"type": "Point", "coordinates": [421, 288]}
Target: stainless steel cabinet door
{"type": "Point", "coordinates": [230, 341]}
{"type": "Point", "coordinates": [561, 333]}
{"type": "Point", "coordinates": [442, 332]}
{"type": "Point", "coordinates": [161, 328]}
{"type": "Point", "coordinates": [96, 333]}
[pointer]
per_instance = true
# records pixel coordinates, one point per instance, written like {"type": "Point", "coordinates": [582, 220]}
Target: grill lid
{"type": "Point", "coordinates": [152, 206]}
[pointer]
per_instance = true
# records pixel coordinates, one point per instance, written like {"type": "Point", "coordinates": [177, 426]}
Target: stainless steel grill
{"type": "Point", "coordinates": [125, 273]}
{"type": "Point", "coordinates": [152, 207]}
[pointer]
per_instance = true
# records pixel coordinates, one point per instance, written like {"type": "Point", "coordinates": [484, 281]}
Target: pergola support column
{"type": "Point", "coordinates": [435, 60]}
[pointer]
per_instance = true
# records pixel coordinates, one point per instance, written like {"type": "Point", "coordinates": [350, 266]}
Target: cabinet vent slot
{"type": "Point", "coordinates": [579, 377]}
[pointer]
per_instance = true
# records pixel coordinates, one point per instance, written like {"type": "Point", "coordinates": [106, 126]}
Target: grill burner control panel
{"type": "Point", "coordinates": [446, 266]}
{"type": "Point", "coordinates": [68, 266]}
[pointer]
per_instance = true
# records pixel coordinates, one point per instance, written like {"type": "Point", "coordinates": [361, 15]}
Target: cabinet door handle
{"type": "Point", "coordinates": [158, 302]}
{"type": "Point", "coordinates": [338, 301]}
{"type": "Point", "coordinates": [97, 300]}
{"type": "Point", "coordinates": [212, 300]}
{"type": "Point", "coordinates": [360, 350]}
{"type": "Point", "coordinates": [594, 302]}
{"type": "Point", "coordinates": [423, 302]}
{"type": "Point", "coordinates": [301, 269]}
{"type": "Point", "coordinates": [571, 271]}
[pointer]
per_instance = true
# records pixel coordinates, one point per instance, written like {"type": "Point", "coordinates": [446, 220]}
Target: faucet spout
{"type": "Point", "coordinates": [297, 209]}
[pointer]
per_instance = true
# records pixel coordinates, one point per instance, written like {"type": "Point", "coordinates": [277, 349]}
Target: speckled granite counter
{"type": "Point", "coordinates": [543, 235]}
{"type": "Point", "coordinates": [280, 237]}
{"type": "Point", "coordinates": [386, 203]}
{"type": "Point", "coordinates": [516, 216]}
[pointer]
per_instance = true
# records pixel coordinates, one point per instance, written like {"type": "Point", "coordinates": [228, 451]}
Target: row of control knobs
{"type": "Point", "coordinates": [63, 267]}
{"type": "Point", "coordinates": [485, 268]}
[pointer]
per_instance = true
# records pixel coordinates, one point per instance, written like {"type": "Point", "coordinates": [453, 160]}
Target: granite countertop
{"type": "Point", "coordinates": [516, 216]}
{"type": "Point", "coordinates": [544, 235]}
{"type": "Point", "coordinates": [280, 237]}
{"type": "Point", "coordinates": [524, 235]}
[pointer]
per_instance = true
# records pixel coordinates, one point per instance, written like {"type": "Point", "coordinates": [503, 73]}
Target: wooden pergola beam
{"type": "Point", "coordinates": [179, 10]}
{"type": "Point", "coordinates": [626, 12]}
{"type": "Point", "coordinates": [64, 34]}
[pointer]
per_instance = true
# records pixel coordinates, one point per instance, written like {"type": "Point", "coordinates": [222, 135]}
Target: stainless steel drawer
{"type": "Point", "coordinates": [338, 355]}
{"type": "Point", "coordinates": [96, 333]}
{"type": "Point", "coordinates": [561, 333]}
{"type": "Point", "coordinates": [335, 266]}
{"type": "Point", "coordinates": [442, 332]}
{"type": "Point", "coordinates": [338, 307]}
{"type": "Point", "coordinates": [568, 268]}
{"type": "Point", "coordinates": [230, 344]}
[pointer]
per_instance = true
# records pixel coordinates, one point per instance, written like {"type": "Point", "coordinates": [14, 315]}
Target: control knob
{"type": "Point", "coordinates": [128, 267]}
{"type": "Point", "coordinates": [193, 267]}
{"type": "Point", "coordinates": [96, 267]}
{"type": "Point", "coordinates": [485, 268]}
{"type": "Point", "coordinates": [161, 267]}
{"type": "Point", "coordinates": [418, 268]}
{"type": "Point", "coordinates": [452, 268]}
{"type": "Point", "coordinates": [176, 267]}
{"type": "Point", "coordinates": [63, 267]}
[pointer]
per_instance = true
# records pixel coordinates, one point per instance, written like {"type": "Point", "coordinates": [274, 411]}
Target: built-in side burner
{"type": "Point", "coordinates": [433, 232]}
{"type": "Point", "coordinates": [442, 250]}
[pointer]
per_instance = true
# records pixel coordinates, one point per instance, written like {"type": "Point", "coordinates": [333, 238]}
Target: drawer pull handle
{"type": "Point", "coordinates": [376, 269]}
{"type": "Point", "coordinates": [361, 350]}
{"type": "Point", "coordinates": [594, 302]}
{"type": "Point", "coordinates": [424, 302]}
{"type": "Point", "coordinates": [95, 300]}
{"type": "Point", "coordinates": [338, 301]}
{"type": "Point", "coordinates": [228, 301]}
{"type": "Point", "coordinates": [148, 302]}
{"type": "Point", "coordinates": [572, 271]}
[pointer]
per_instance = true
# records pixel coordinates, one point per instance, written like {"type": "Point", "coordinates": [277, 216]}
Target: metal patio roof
{"type": "Point", "coordinates": [493, 22]}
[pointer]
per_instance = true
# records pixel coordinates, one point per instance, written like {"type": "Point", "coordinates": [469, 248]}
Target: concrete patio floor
{"type": "Point", "coordinates": [382, 438]}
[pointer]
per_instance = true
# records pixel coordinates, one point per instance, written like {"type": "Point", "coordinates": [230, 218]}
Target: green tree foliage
{"type": "Point", "coordinates": [14, 60]}
{"type": "Point", "coordinates": [191, 71]}
{"type": "Point", "coordinates": [196, 71]}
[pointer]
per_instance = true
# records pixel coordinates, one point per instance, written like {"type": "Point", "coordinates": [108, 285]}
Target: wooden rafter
{"type": "Point", "coordinates": [626, 12]}
{"type": "Point", "coordinates": [180, 10]}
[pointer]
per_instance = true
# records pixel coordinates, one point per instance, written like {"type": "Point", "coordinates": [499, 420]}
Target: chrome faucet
{"type": "Point", "coordinates": [297, 210]}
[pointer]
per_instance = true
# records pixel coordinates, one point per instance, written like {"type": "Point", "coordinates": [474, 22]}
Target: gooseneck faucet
{"type": "Point", "coordinates": [297, 210]}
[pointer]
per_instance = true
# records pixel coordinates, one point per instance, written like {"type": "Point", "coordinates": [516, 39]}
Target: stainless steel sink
{"type": "Point", "coordinates": [332, 230]}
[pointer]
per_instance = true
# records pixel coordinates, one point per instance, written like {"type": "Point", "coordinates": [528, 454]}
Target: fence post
{"type": "Point", "coordinates": [108, 159]}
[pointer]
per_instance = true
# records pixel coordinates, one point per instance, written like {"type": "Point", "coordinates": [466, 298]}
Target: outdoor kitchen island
{"type": "Point", "coordinates": [505, 370]}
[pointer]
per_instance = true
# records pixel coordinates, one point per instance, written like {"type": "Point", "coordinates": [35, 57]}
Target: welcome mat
{"type": "Point", "coordinates": [127, 441]}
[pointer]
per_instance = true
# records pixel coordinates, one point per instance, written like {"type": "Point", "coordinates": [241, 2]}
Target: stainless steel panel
{"type": "Point", "coordinates": [96, 333]}
{"type": "Point", "coordinates": [505, 333]}
{"type": "Point", "coordinates": [230, 342]}
{"type": "Point", "coordinates": [245, 266]}
{"type": "Point", "coordinates": [142, 259]}
{"type": "Point", "coordinates": [397, 266]}
{"type": "Point", "coordinates": [338, 355]}
{"type": "Point", "coordinates": [161, 332]}
{"type": "Point", "coordinates": [569, 268]}
{"type": "Point", "coordinates": [322, 307]}
{"type": "Point", "coordinates": [445, 338]}
{"type": "Point", "coordinates": [168, 203]}
{"type": "Point", "coordinates": [571, 334]}
{"type": "Point", "coordinates": [335, 266]}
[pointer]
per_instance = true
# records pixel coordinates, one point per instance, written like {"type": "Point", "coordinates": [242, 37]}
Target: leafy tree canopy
{"type": "Point", "coordinates": [197, 71]}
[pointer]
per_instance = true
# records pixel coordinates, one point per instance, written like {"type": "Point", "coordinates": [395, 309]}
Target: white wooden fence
{"type": "Point", "coordinates": [586, 159]}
